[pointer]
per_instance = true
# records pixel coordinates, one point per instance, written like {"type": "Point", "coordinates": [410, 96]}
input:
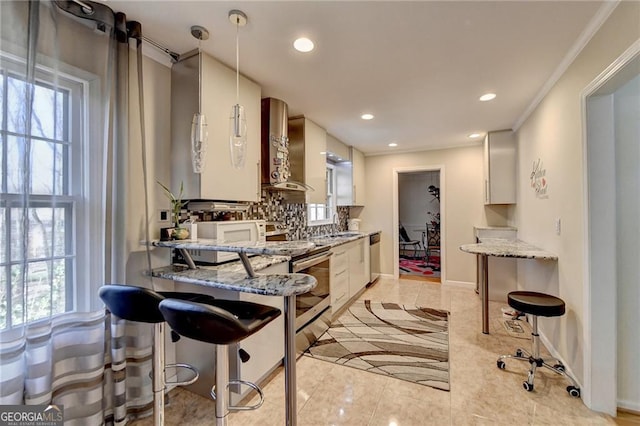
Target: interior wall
{"type": "Point", "coordinates": [553, 134]}
{"type": "Point", "coordinates": [626, 107]}
{"type": "Point", "coordinates": [463, 203]}
{"type": "Point", "coordinates": [416, 206]}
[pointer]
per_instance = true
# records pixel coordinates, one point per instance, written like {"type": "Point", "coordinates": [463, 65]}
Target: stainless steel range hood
{"type": "Point", "coordinates": [276, 166]}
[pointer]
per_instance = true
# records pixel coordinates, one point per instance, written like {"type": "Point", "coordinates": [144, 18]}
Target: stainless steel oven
{"type": "Point", "coordinates": [312, 308]}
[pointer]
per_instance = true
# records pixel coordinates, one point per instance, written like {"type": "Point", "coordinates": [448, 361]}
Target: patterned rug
{"type": "Point", "coordinates": [420, 267]}
{"type": "Point", "coordinates": [410, 344]}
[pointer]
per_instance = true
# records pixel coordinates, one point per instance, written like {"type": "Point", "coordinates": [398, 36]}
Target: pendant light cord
{"type": "Point", "coordinates": [237, 62]}
{"type": "Point", "coordinates": [199, 75]}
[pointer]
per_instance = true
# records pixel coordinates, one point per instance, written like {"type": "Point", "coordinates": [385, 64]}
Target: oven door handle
{"type": "Point", "coordinates": [299, 266]}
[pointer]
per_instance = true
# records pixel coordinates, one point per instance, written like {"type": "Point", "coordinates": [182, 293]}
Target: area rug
{"type": "Point", "coordinates": [407, 343]}
{"type": "Point", "coordinates": [420, 267]}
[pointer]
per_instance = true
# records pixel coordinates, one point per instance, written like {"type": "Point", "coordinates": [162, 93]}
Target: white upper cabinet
{"type": "Point", "coordinates": [500, 168]}
{"type": "Point", "coordinates": [307, 157]}
{"type": "Point", "coordinates": [219, 180]}
{"type": "Point", "coordinates": [357, 162]}
{"type": "Point", "coordinates": [351, 180]}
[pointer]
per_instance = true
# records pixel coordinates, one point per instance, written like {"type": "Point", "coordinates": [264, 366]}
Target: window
{"type": "Point", "coordinates": [53, 189]}
{"type": "Point", "coordinates": [322, 214]}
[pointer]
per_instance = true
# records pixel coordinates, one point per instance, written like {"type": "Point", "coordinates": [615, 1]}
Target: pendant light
{"type": "Point", "coordinates": [199, 132]}
{"type": "Point", "coordinates": [237, 120]}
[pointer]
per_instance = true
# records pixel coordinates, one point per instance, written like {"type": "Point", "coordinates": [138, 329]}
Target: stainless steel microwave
{"type": "Point", "coordinates": [228, 232]}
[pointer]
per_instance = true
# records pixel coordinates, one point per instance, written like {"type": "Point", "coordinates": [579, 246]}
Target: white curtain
{"type": "Point", "coordinates": [64, 143]}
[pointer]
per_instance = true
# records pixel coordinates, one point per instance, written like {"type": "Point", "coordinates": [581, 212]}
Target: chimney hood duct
{"type": "Point", "coordinates": [276, 166]}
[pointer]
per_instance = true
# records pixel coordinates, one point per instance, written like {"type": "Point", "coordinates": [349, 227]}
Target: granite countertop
{"type": "Point", "coordinates": [268, 285]}
{"type": "Point", "coordinates": [339, 238]}
{"type": "Point", "coordinates": [501, 247]}
{"type": "Point", "coordinates": [283, 248]}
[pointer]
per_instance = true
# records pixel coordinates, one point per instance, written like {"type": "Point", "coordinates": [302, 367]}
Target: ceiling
{"type": "Point", "coordinates": [419, 67]}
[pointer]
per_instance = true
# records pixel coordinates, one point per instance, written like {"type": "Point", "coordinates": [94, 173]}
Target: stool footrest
{"type": "Point", "coordinates": [246, 383]}
{"type": "Point", "coordinates": [189, 381]}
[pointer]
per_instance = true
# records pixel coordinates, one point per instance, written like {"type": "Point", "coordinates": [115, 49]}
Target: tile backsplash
{"type": "Point", "coordinates": [273, 208]}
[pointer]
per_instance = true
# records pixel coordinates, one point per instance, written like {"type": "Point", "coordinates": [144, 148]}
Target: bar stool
{"type": "Point", "coordinates": [545, 305]}
{"type": "Point", "coordinates": [140, 304]}
{"type": "Point", "coordinates": [221, 323]}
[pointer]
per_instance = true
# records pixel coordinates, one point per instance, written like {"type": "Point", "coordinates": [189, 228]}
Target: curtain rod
{"type": "Point", "coordinates": [88, 9]}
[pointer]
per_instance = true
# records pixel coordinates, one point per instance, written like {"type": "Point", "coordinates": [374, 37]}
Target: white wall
{"type": "Point", "coordinates": [627, 140]}
{"type": "Point", "coordinates": [553, 133]}
{"type": "Point", "coordinates": [463, 203]}
{"type": "Point", "coordinates": [415, 202]}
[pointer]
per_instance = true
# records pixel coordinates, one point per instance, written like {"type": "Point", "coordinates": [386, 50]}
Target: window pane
{"type": "Point", "coordinates": [40, 232]}
{"type": "Point", "coordinates": [321, 213]}
{"type": "Point", "coordinates": [62, 102]}
{"type": "Point", "coordinates": [16, 99]}
{"type": "Point", "coordinates": [16, 232]}
{"type": "Point", "coordinates": [39, 290]}
{"type": "Point", "coordinates": [17, 305]}
{"type": "Point", "coordinates": [3, 297]}
{"type": "Point", "coordinates": [59, 287]}
{"type": "Point", "coordinates": [15, 162]}
{"type": "Point", "coordinates": [42, 118]}
{"type": "Point", "coordinates": [42, 167]}
{"type": "Point", "coordinates": [312, 212]}
{"type": "Point", "coordinates": [60, 236]}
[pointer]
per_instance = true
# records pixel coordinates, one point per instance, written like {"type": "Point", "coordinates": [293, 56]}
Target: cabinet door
{"type": "Point", "coordinates": [339, 280]}
{"type": "Point", "coordinates": [500, 168]}
{"type": "Point", "coordinates": [357, 161]}
{"type": "Point", "coordinates": [357, 279]}
{"type": "Point", "coordinates": [221, 180]}
{"type": "Point", "coordinates": [315, 162]}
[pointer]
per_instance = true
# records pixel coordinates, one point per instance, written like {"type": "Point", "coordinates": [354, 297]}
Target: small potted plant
{"type": "Point", "coordinates": [179, 233]}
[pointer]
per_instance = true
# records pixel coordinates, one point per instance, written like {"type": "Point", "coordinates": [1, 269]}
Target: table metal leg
{"type": "Point", "coordinates": [484, 293]}
{"type": "Point", "coordinates": [290, 389]}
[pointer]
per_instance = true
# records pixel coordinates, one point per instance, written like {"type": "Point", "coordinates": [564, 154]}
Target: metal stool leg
{"type": "Point", "coordinates": [158, 374]}
{"type": "Point", "coordinates": [222, 379]}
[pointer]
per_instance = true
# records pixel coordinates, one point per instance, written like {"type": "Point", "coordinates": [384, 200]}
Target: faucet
{"type": "Point", "coordinates": [336, 226]}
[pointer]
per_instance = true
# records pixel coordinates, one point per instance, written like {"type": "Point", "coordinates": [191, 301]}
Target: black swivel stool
{"type": "Point", "coordinates": [139, 304]}
{"type": "Point", "coordinates": [221, 323]}
{"type": "Point", "coordinates": [544, 305]}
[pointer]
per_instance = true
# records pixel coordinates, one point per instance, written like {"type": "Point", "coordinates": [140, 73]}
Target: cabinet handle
{"type": "Point", "coordinates": [259, 183]}
{"type": "Point", "coordinates": [486, 190]}
{"type": "Point", "coordinates": [340, 273]}
{"type": "Point", "coordinates": [354, 194]}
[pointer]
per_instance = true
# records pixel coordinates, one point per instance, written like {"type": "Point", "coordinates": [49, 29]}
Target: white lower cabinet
{"type": "Point", "coordinates": [266, 347]}
{"type": "Point", "coordinates": [339, 280]}
{"type": "Point", "coordinates": [349, 272]}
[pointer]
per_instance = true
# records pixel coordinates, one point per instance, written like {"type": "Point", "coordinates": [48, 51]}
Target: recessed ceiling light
{"type": "Point", "coordinates": [303, 44]}
{"type": "Point", "coordinates": [487, 97]}
{"type": "Point", "coordinates": [392, 144]}
{"type": "Point", "coordinates": [474, 135]}
{"type": "Point", "coordinates": [367, 116]}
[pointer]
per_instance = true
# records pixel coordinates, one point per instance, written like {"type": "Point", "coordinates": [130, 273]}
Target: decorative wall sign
{"type": "Point", "coordinates": [538, 179]}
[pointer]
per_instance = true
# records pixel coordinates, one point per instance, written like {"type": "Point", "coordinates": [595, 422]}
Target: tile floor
{"type": "Point", "coordinates": [330, 394]}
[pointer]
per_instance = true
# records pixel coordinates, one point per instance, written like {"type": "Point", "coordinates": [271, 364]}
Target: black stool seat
{"type": "Point", "coordinates": [142, 304]}
{"type": "Point", "coordinates": [533, 303]}
{"type": "Point", "coordinates": [220, 322]}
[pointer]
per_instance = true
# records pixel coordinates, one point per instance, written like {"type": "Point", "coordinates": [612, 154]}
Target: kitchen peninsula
{"type": "Point", "coordinates": [285, 285]}
{"type": "Point", "coordinates": [500, 247]}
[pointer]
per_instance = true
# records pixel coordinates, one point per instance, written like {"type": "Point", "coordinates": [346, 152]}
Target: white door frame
{"type": "Point", "coordinates": [396, 215]}
{"type": "Point", "coordinates": [600, 336]}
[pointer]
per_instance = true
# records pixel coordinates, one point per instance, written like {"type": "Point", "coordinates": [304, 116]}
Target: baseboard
{"type": "Point", "coordinates": [631, 407]}
{"type": "Point", "coordinates": [387, 276]}
{"type": "Point", "coordinates": [460, 284]}
{"type": "Point", "coordinates": [554, 353]}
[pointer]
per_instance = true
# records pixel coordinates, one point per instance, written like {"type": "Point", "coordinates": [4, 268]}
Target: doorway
{"type": "Point", "coordinates": [419, 227]}
{"type": "Point", "coordinates": [611, 107]}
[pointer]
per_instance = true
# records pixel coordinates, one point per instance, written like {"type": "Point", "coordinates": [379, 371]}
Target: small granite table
{"type": "Point", "coordinates": [500, 247]}
{"type": "Point", "coordinates": [286, 285]}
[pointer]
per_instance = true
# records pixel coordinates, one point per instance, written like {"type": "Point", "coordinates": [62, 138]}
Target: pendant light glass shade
{"type": "Point", "coordinates": [199, 136]}
{"type": "Point", "coordinates": [199, 132]}
{"type": "Point", "coordinates": [237, 136]}
{"type": "Point", "coordinates": [237, 120]}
